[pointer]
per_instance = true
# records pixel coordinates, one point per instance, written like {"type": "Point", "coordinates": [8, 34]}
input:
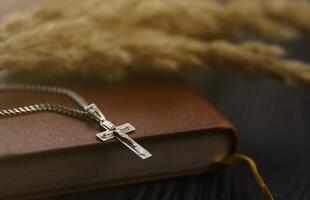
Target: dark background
{"type": "Point", "coordinates": [273, 121]}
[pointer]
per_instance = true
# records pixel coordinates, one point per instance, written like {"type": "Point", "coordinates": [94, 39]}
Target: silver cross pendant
{"type": "Point", "coordinates": [119, 132]}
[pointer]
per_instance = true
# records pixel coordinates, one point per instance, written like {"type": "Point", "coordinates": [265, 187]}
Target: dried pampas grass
{"type": "Point", "coordinates": [114, 37]}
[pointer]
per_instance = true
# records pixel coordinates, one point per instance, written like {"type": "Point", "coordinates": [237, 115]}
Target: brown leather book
{"type": "Point", "coordinates": [48, 153]}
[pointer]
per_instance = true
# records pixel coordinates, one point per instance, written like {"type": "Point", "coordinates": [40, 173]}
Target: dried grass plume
{"type": "Point", "coordinates": [114, 37]}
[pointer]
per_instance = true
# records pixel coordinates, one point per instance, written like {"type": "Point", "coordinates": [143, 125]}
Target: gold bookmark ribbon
{"type": "Point", "coordinates": [267, 195]}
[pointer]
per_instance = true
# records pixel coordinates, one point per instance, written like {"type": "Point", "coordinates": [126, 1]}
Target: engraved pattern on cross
{"type": "Point", "coordinates": [118, 132]}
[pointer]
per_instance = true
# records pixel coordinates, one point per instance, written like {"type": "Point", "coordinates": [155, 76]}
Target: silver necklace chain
{"type": "Point", "coordinates": [89, 111]}
{"type": "Point", "coordinates": [43, 107]}
{"type": "Point", "coordinates": [40, 107]}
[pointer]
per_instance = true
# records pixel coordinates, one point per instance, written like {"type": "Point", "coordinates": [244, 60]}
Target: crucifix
{"type": "Point", "coordinates": [119, 132]}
